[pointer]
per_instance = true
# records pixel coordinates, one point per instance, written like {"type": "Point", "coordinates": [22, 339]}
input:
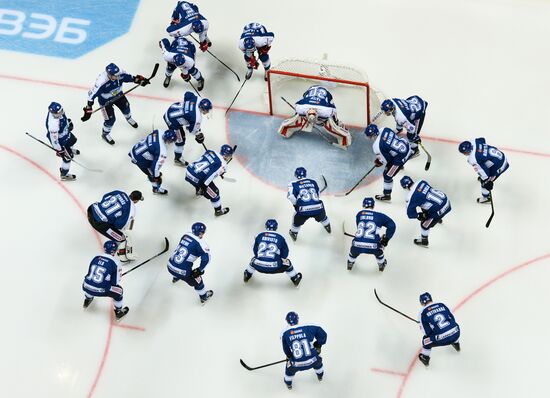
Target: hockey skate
{"type": "Point", "coordinates": [383, 198]}
{"type": "Point", "coordinates": [248, 73]}
{"type": "Point", "coordinates": [88, 301]}
{"type": "Point", "coordinates": [132, 122]}
{"type": "Point", "coordinates": [327, 228]}
{"type": "Point", "coordinates": [424, 359]}
{"type": "Point", "coordinates": [293, 235]}
{"type": "Point", "coordinates": [67, 177]}
{"type": "Point", "coordinates": [350, 265]}
{"type": "Point", "coordinates": [174, 279]}
{"type": "Point", "coordinates": [422, 242]}
{"type": "Point", "coordinates": [221, 211]}
{"type": "Point", "coordinates": [456, 346]}
{"type": "Point", "coordinates": [166, 82]}
{"type": "Point", "coordinates": [160, 191]}
{"type": "Point", "coordinates": [119, 314]}
{"type": "Point", "coordinates": [288, 385]}
{"type": "Point", "coordinates": [180, 162]}
{"type": "Point", "coordinates": [206, 296]}
{"type": "Point", "coordinates": [484, 199]}
{"type": "Point", "coordinates": [246, 277]}
{"type": "Point", "coordinates": [296, 279]}
{"type": "Point", "coordinates": [200, 84]}
{"type": "Point", "coordinates": [265, 75]}
{"type": "Point", "coordinates": [382, 266]}
{"type": "Point", "coordinates": [320, 376]}
{"type": "Point", "coordinates": [108, 139]}
{"type": "Point", "coordinates": [76, 151]}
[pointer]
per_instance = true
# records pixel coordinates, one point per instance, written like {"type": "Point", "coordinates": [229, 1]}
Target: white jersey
{"type": "Point", "coordinates": [324, 112]}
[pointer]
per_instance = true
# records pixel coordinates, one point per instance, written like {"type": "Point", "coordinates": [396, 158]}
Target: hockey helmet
{"type": "Point", "coordinates": [112, 69]}
{"type": "Point", "coordinates": [226, 150]}
{"type": "Point", "coordinates": [169, 136]}
{"type": "Point", "coordinates": [406, 182]}
{"type": "Point", "coordinates": [425, 298]}
{"type": "Point", "coordinates": [55, 107]}
{"type": "Point", "coordinates": [292, 318]}
{"type": "Point", "coordinates": [300, 172]}
{"type": "Point", "coordinates": [271, 225]}
{"type": "Point", "coordinates": [372, 131]}
{"type": "Point", "coordinates": [368, 203]}
{"type": "Point", "coordinates": [198, 228]}
{"type": "Point", "coordinates": [465, 147]}
{"type": "Point", "coordinates": [136, 196]}
{"type": "Point", "coordinates": [205, 104]}
{"type": "Point", "coordinates": [197, 26]}
{"type": "Point", "coordinates": [110, 247]}
{"type": "Point", "coordinates": [249, 43]}
{"type": "Point", "coordinates": [387, 106]}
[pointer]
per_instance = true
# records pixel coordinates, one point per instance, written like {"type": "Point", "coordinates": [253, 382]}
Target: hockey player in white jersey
{"type": "Point", "coordinates": [317, 109]}
{"type": "Point", "coordinates": [256, 37]}
{"type": "Point", "coordinates": [180, 54]}
{"type": "Point", "coordinates": [186, 19]}
{"type": "Point", "coordinates": [62, 139]}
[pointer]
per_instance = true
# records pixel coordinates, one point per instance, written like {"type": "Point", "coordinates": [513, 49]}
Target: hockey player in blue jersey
{"type": "Point", "coordinates": [391, 151]}
{"type": "Point", "coordinates": [408, 113]}
{"type": "Point", "coordinates": [256, 37]}
{"type": "Point", "coordinates": [488, 162]}
{"type": "Point", "coordinates": [187, 19]}
{"type": "Point", "coordinates": [433, 204]}
{"type": "Point", "coordinates": [304, 193]}
{"type": "Point", "coordinates": [180, 265]}
{"type": "Point", "coordinates": [108, 91]}
{"type": "Point", "coordinates": [103, 279]}
{"type": "Point", "coordinates": [180, 54]}
{"type": "Point", "coordinates": [59, 132]}
{"type": "Point", "coordinates": [302, 346]}
{"type": "Point", "coordinates": [149, 155]}
{"type": "Point", "coordinates": [114, 213]}
{"type": "Point", "coordinates": [187, 113]}
{"type": "Point", "coordinates": [271, 255]}
{"type": "Point", "coordinates": [202, 172]}
{"type": "Point", "coordinates": [316, 109]}
{"type": "Point", "coordinates": [369, 238]}
{"type": "Point", "coordinates": [438, 326]}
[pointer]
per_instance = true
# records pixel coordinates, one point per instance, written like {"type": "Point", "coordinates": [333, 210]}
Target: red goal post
{"type": "Point", "coordinates": [316, 72]}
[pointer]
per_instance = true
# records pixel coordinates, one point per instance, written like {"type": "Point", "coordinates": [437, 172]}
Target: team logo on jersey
{"type": "Point", "coordinates": [63, 28]}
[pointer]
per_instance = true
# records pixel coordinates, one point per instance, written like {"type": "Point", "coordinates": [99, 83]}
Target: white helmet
{"type": "Point", "coordinates": [311, 115]}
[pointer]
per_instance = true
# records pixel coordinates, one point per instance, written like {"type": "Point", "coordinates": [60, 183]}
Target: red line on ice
{"type": "Point", "coordinates": [389, 372]}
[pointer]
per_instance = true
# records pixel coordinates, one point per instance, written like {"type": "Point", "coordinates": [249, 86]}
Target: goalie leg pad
{"type": "Point", "coordinates": [292, 125]}
{"type": "Point", "coordinates": [339, 132]}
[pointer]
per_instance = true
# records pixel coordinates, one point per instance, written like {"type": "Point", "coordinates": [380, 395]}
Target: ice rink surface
{"type": "Point", "coordinates": [482, 65]}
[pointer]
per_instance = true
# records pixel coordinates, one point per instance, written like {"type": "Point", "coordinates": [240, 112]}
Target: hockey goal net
{"type": "Point", "coordinates": [355, 99]}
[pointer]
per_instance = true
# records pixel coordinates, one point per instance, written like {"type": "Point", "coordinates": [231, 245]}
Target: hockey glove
{"type": "Point", "coordinates": [175, 22]}
{"type": "Point", "coordinates": [87, 113]}
{"type": "Point", "coordinates": [63, 154]}
{"type": "Point", "coordinates": [416, 139]}
{"type": "Point", "coordinates": [252, 63]}
{"type": "Point", "coordinates": [384, 241]}
{"type": "Point", "coordinates": [317, 347]}
{"type": "Point", "coordinates": [142, 81]}
{"type": "Point", "coordinates": [487, 184]}
{"type": "Point", "coordinates": [185, 76]}
{"type": "Point", "coordinates": [199, 138]}
{"type": "Point", "coordinates": [204, 45]}
{"type": "Point", "coordinates": [264, 50]}
{"type": "Point", "coordinates": [197, 272]}
{"type": "Point", "coordinates": [422, 216]}
{"type": "Point", "coordinates": [71, 125]}
{"type": "Point", "coordinates": [377, 162]}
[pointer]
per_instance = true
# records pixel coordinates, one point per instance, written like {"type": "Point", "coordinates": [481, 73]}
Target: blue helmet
{"type": "Point", "coordinates": [178, 59]}
{"type": "Point", "coordinates": [226, 150]}
{"type": "Point", "coordinates": [55, 107]}
{"type": "Point", "coordinates": [425, 298]}
{"type": "Point", "coordinates": [110, 247]}
{"type": "Point", "coordinates": [198, 228]}
{"type": "Point", "coordinates": [372, 130]}
{"type": "Point", "coordinates": [387, 106]}
{"type": "Point", "coordinates": [465, 147]}
{"type": "Point", "coordinates": [368, 203]}
{"type": "Point", "coordinates": [197, 26]}
{"type": "Point", "coordinates": [292, 318]}
{"type": "Point", "coordinates": [271, 225]}
{"type": "Point", "coordinates": [249, 43]}
{"type": "Point", "coordinates": [406, 182]}
{"type": "Point", "coordinates": [300, 172]}
{"type": "Point", "coordinates": [169, 136]}
{"type": "Point", "coordinates": [205, 104]}
{"type": "Point", "coordinates": [112, 69]}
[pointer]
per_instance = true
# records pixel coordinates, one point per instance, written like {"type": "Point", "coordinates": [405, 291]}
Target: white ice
{"type": "Point", "coordinates": [484, 68]}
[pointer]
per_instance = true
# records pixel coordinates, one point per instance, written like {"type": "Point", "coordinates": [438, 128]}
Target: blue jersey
{"type": "Point", "coordinates": [186, 12]}
{"type": "Point", "coordinates": [369, 224]}
{"type": "Point", "coordinates": [298, 343]}
{"type": "Point", "coordinates": [185, 114]}
{"type": "Point", "coordinates": [433, 202]}
{"type": "Point", "coordinates": [150, 153]}
{"type": "Point", "coordinates": [189, 249]}
{"type": "Point", "coordinates": [317, 95]}
{"type": "Point", "coordinates": [58, 131]}
{"type": "Point", "coordinates": [255, 29]}
{"type": "Point", "coordinates": [437, 320]}
{"type": "Point", "coordinates": [104, 271]}
{"type": "Point", "coordinates": [270, 248]}
{"type": "Point", "coordinates": [412, 108]}
{"type": "Point", "coordinates": [390, 148]}
{"type": "Point", "coordinates": [115, 208]}
{"type": "Point", "coordinates": [106, 89]}
{"type": "Point", "coordinates": [180, 45]}
{"type": "Point", "coordinates": [488, 161]}
{"type": "Point", "coordinates": [204, 170]}
{"type": "Point", "coordinates": [304, 195]}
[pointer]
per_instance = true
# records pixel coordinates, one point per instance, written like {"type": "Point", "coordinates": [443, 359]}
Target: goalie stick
{"type": "Point", "coordinates": [358, 182]}
{"type": "Point", "coordinates": [262, 366]}
{"type": "Point", "coordinates": [112, 101]}
{"type": "Point", "coordinates": [72, 160]}
{"type": "Point", "coordinates": [393, 309]}
{"type": "Point", "coordinates": [492, 211]}
{"type": "Point", "coordinates": [166, 246]}
{"type": "Point", "coordinates": [219, 60]}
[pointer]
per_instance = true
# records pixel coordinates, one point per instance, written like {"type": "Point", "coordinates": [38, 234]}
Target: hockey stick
{"type": "Point", "coordinates": [236, 95]}
{"type": "Point", "coordinates": [393, 309]}
{"type": "Point", "coordinates": [492, 211]}
{"type": "Point", "coordinates": [358, 182]}
{"type": "Point", "coordinates": [344, 229]}
{"type": "Point", "coordinates": [167, 244]}
{"type": "Point", "coordinates": [326, 185]}
{"type": "Point", "coordinates": [112, 101]}
{"type": "Point", "coordinates": [263, 366]}
{"type": "Point", "coordinates": [314, 127]}
{"type": "Point", "coordinates": [219, 60]}
{"type": "Point", "coordinates": [193, 87]}
{"type": "Point", "coordinates": [72, 160]}
{"type": "Point", "coordinates": [429, 161]}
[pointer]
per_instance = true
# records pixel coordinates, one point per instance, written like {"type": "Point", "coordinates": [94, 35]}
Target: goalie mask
{"type": "Point", "coordinates": [311, 115]}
